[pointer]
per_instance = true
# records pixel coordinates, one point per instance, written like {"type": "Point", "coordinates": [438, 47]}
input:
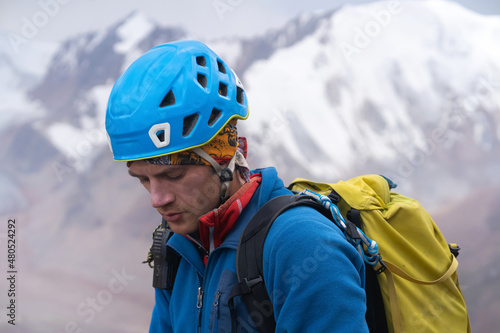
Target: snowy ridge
{"type": "Point", "coordinates": [136, 28]}
{"type": "Point", "coordinates": [18, 72]}
{"type": "Point", "coordinates": [369, 74]}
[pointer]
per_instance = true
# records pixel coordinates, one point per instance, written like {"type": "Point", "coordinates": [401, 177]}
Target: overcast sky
{"type": "Point", "coordinates": [58, 19]}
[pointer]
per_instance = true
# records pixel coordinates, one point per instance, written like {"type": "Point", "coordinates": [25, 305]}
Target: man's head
{"type": "Point", "coordinates": [175, 108]}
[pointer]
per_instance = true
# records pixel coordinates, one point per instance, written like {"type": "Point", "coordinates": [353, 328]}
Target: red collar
{"type": "Point", "coordinates": [215, 225]}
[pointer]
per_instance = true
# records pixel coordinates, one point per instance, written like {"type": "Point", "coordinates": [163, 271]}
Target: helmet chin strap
{"type": "Point", "coordinates": [225, 174]}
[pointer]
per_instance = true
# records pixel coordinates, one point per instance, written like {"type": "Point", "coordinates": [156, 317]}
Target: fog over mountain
{"type": "Point", "coordinates": [410, 90]}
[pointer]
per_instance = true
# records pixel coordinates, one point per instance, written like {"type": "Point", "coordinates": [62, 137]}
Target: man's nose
{"type": "Point", "coordinates": [160, 195]}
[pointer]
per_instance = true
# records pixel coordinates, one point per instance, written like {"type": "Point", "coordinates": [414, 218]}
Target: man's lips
{"type": "Point", "coordinates": [172, 217]}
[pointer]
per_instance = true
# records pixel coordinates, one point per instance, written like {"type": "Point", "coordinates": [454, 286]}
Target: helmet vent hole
{"type": "Point", "coordinates": [169, 99]}
{"type": "Point", "coordinates": [214, 116]}
{"type": "Point", "coordinates": [222, 69]}
{"type": "Point", "coordinates": [201, 61]}
{"type": "Point", "coordinates": [202, 80]}
{"type": "Point", "coordinates": [222, 89]}
{"type": "Point", "coordinates": [189, 124]}
{"type": "Point", "coordinates": [239, 95]}
{"type": "Point", "coordinates": [161, 135]}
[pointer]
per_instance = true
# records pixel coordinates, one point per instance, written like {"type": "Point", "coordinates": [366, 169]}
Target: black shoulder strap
{"type": "Point", "coordinates": [249, 259]}
{"type": "Point", "coordinates": [249, 266]}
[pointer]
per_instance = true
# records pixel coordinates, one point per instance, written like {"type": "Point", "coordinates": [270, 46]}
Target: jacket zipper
{"type": "Point", "coordinates": [216, 303]}
{"type": "Point", "coordinates": [199, 302]}
{"type": "Point", "coordinates": [216, 314]}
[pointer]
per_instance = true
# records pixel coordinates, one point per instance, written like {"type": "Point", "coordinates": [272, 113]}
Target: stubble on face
{"type": "Point", "coordinates": [181, 194]}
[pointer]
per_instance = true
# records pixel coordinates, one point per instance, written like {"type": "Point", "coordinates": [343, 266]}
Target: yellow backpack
{"type": "Point", "coordinates": [416, 272]}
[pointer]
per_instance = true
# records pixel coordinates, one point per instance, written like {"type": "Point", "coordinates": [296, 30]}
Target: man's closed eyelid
{"type": "Point", "coordinates": [173, 176]}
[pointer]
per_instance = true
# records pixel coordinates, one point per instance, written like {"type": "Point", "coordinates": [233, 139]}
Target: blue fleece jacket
{"type": "Point", "coordinates": [314, 277]}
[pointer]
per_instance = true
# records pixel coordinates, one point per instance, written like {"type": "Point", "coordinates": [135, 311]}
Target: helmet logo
{"type": "Point", "coordinates": [160, 135]}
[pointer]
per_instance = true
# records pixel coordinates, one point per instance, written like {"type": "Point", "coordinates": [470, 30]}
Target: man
{"type": "Point", "coordinates": [172, 117]}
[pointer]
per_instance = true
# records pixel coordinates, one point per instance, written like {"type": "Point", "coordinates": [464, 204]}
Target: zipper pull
{"type": "Point", "coordinates": [199, 303]}
{"type": "Point", "coordinates": [216, 303]}
{"type": "Point", "coordinates": [217, 296]}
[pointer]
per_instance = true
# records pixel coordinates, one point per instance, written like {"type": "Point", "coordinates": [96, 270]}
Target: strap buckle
{"type": "Point", "coordinates": [249, 284]}
{"type": "Point", "coordinates": [380, 266]}
{"type": "Point", "coordinates": [226, 175]}
{"type": "Point", "coordinates": [334, 197]}
{"type": "Point", "coordinates": [454, 249]}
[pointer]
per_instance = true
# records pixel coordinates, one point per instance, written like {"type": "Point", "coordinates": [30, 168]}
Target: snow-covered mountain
{"type": "Point", "coordinates": [394, 88]}
{"type": "Point", "coordinates": [400, 91]}
{"type": "Point", "coordinates": [407, 89]}
{"type": "Point", "coordinates": [20, 71]}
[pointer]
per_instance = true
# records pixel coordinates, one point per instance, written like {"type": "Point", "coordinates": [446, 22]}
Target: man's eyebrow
{"type": "Point", "coordinates": [159, 174]}
{"type": "Point", "coordinates": [134, 175]}
{"type": "Point", "coordinates": [168, 172]}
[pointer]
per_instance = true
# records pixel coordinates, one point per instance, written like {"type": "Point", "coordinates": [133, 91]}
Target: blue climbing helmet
{"type": "Point", "coordinates": [175, 97]}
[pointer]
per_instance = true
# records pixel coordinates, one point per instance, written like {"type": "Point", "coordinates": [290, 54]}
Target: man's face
{"type": "Point", "coordinates": [180, 193]}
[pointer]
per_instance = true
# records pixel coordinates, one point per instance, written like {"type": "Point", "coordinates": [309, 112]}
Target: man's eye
{"type": "Point", "coordinates": [174, 176]}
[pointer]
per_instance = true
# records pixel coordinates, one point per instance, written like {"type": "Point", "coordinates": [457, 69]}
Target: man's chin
{"type": "Point", "coordinates": [181, 228]}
